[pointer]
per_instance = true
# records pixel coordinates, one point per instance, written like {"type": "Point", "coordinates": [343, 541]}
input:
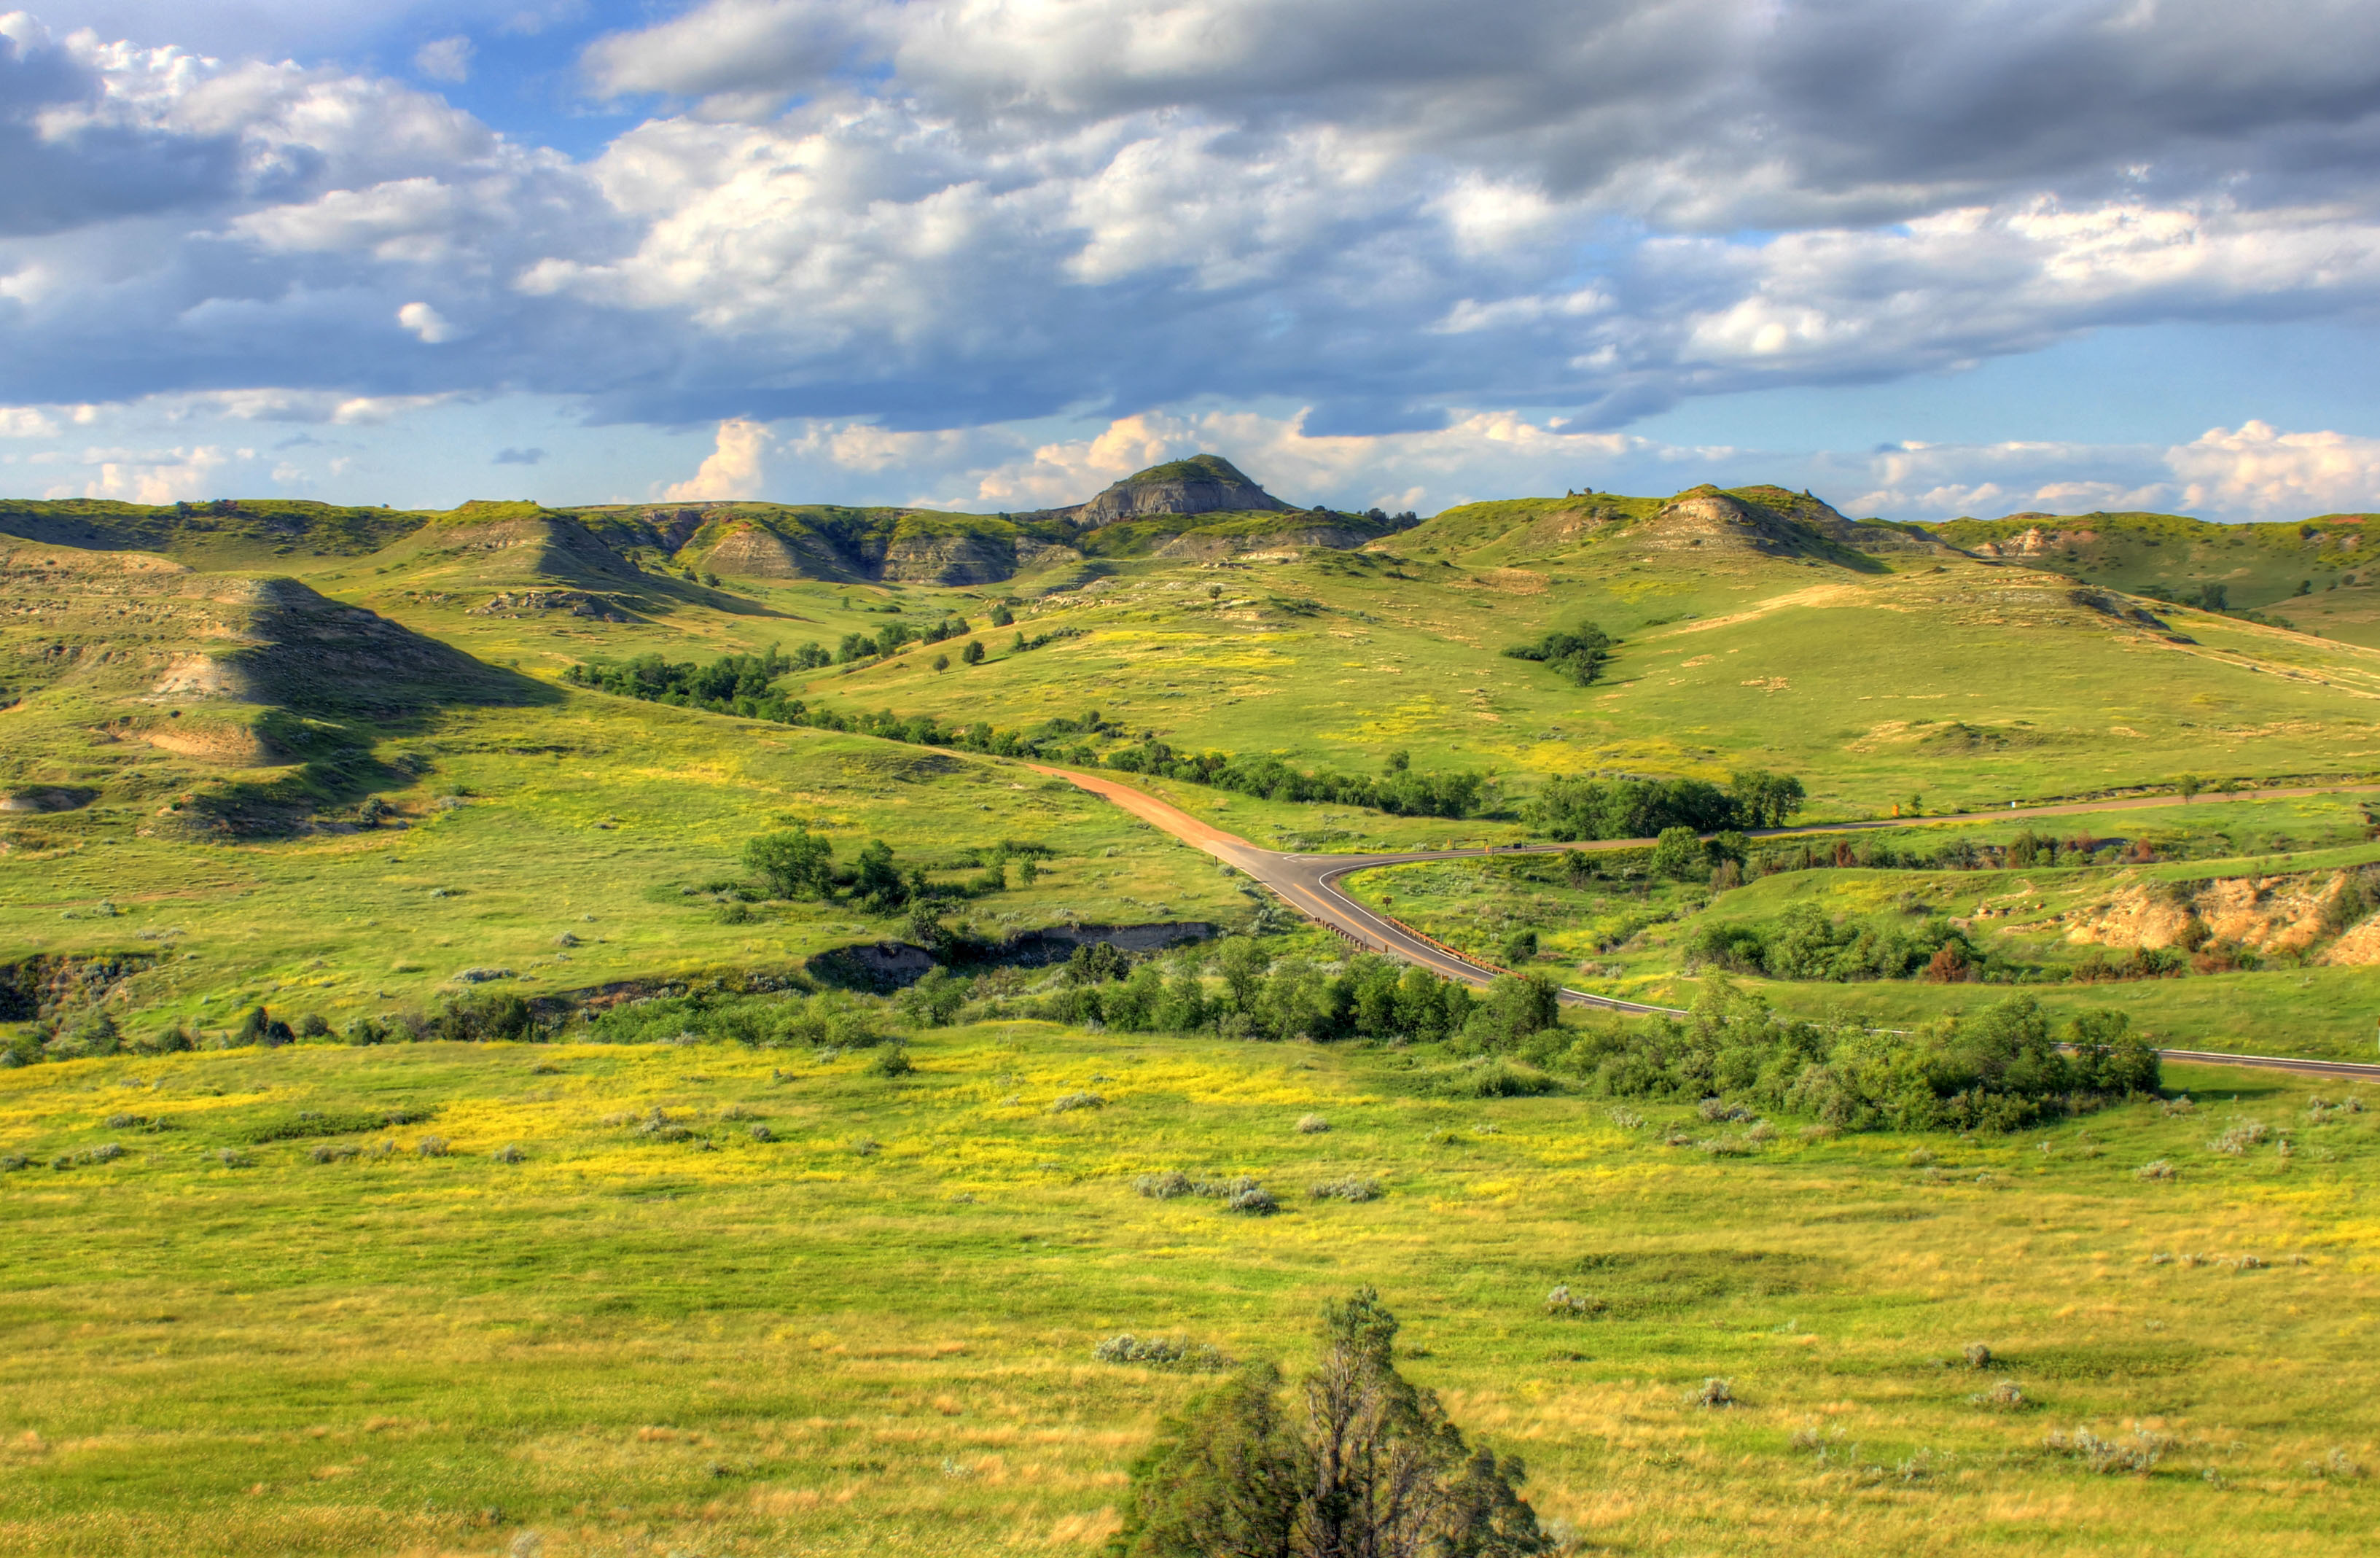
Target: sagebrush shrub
{"type": "Point", "coordinates": [1165, 1187]}
{"type": "Point", "coordinates": [1562, 1304]}
{"type": "Point", "coordinates": [2159, 1169]}
{"type": "Point", "coordinates": [509, 1152]}
{"type": "Point", "coordinates": [1311, 1125]}
{"type": "Point", "coordinates": [1068, 1102]}
{"type": "Point", "coordinates": [658, 1126]}
{"type": "Point", "coordinates": [1249, 1198]}
{"type": "Point", "coordinates": [431, 1147]}
{"type": "Point", "coordinates": [1173, 1353]}
{"type": "Point", "coordinates": [1350, 1188]}
{"type": "Point", "coordinates": [2236, 1141]}
{"type": "Point", "coordinates": [1713, 1393]}
{"type": "Point", "coordinates": [2136, 1457]}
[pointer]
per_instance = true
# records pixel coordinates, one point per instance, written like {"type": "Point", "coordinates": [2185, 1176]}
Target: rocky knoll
{"type": "Point", "coordinates": [1201, 484]}
{"type": "Point", "coordinates": [1773, 522]}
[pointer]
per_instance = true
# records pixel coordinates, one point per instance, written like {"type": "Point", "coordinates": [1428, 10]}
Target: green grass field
{"type": "Point", "coordinates": [812, 1345]}
{"type": "Point", "coordinates": [875, 1327]}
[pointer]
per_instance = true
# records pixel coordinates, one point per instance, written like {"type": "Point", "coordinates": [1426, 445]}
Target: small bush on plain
{"type": "Point", "coordinates": [1173, 1353]}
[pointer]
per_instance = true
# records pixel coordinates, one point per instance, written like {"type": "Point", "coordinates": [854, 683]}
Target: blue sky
{"type": "Point", "coordinates": [1978, 256]}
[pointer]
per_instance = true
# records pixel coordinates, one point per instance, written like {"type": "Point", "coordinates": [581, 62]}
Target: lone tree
{"type": "Point", "coordinates": [1678, 852]}
{"type": "Point", "coordinates": [1374, 1470]}
{"type": "Point", "coordinates": [796, 864]}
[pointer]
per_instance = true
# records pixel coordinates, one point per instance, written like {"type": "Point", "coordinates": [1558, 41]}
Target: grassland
{"type": "Point", "coordinates": [598, 819]}
{"type": "Point", "coordinates": [805, 1345]}
{"type": "Point", "coordinates": [873, 1328]}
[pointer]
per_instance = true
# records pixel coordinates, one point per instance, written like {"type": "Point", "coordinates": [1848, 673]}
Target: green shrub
{"type": "Point", "coordinates": [2001, 1069]}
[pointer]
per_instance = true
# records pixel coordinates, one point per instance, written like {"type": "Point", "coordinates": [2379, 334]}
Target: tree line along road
{"type": "Point", "coordinates": [1309, 885]}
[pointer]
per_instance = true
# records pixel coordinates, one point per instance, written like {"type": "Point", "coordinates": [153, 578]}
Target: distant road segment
{"type": "Point", "coordinates": [1310, 884]}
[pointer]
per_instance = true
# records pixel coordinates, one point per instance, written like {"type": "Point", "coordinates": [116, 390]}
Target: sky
{"type": "Point", "coordinates": [1924, 260]}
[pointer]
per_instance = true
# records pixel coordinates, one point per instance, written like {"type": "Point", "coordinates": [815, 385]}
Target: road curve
{"type": "Point", "coordinates": [1310, 884]}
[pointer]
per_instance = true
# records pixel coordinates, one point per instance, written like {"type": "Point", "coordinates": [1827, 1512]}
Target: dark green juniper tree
{"type": "Point", "coordinates": [1374, 1470]}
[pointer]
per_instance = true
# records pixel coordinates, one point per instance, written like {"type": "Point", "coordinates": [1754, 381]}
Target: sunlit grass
{"type": "Point", "coordinates": [631, 1345]}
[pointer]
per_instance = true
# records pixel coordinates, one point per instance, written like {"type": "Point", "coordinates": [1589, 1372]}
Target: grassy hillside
{"type": "Point", "coordinates": [875, 1329]}
{"type": "Point", "coordinates": [2316, 574]}
{"type": "Point", "coordinates": [259, 794]}
{"type": "Point", "coordinates": [230, 533]}
{"type": "Point", "coordinates": [1981, 683]}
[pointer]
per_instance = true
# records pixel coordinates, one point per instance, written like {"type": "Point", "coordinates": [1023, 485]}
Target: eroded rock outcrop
{"type": "Point", "coordinates": [1201, 484]}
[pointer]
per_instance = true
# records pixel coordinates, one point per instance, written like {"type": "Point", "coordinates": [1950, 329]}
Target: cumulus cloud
{"type": "Point", "coordinates": [915, 220]}
{"type": "Point", "coordinates": [2269, 474]}
{"type": "Point", "coordinates": [518, 456]}
{"type": "Point", "coordinates": [1006, 468]}
{"type": "Point", "coordinates": [150, 476]}
{"type": "Point", "coordinates": [733, 467]}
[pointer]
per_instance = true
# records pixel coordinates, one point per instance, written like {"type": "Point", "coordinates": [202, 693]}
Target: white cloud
{"type": "Point", "coordinates": [1007, 469]}
{"type": "Point", "coordinates": [888, 217]}
{"type": "Point", "coordinates": [444, 59]}
{"type": "Point", "coordinates": [2260, 472]}
{"type": "Point", "coordinates": [426, 323]}
{"type": "Point", "coordinates": [732, 470]}
{"type": "Point", "coordinates": [24, 422]}
{"type": "Point", "coordinates": [151, 476]}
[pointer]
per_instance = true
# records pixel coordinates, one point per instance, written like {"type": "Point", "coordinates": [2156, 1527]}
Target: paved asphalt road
{"type": "Point", "coordinates": [1310, 884]}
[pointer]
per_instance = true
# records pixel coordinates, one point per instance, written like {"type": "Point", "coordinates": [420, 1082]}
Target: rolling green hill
{"type": "Point", "coordinates": [797, 1216]}
{"type": "Point", "coordinates": [2314, 574]}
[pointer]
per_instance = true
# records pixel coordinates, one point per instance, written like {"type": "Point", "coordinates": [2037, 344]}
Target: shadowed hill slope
{"type": "Point", "coordinates": [131, 676]}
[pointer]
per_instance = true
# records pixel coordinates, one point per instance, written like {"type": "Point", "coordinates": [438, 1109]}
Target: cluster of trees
{"type": "Point", "coordinates": [1370, 998]}
{"type": "Point", "coordinates": [1570, 808]}
{"type": "Point", "coordinates": [892, 637]}
{"type": "Point", "coordinates": [1401, 792]}
{"type": "Point", "coordinates": [2003, 1068]}
{"type": "Point", "coordinates": [797, 863]}
{"type": "Point", "coordinates": [1871, 852]}
{"type": "Point", "coordinates": [1805, 945]}
{"type": "Point", "coordinates": [1578, 655]}
{"type": "Point", "coordinates": [1360, 1462]}
{"type": "Point", "coordinates": [732, 684]}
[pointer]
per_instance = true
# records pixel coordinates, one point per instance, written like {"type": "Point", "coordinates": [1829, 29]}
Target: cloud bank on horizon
{"type": "Point", "coordinates": [992, 253]}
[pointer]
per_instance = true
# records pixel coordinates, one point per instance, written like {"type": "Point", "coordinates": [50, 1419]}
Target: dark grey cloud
{"type": "Point", "coordinates": [933, 215]}
{"type": "Point", "coordinates": [66, 163]}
